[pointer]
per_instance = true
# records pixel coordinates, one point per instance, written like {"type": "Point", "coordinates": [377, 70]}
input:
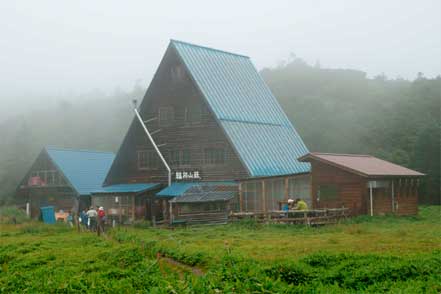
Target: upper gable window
{"type": "Point", "coordinates": [193, 114]}
{"type": "Point", "coordinates": [177, 73]}
{"type": "Point", "coordinates": [147, 159]}
{"type": "Point", "coordinates": [214, 156]}
{"type": "Point", "coordinates": [166, 116]}
{"type": "Point", "coordinates": [179, 157]}
{"type": "Point", "coordinates": [46, 177]}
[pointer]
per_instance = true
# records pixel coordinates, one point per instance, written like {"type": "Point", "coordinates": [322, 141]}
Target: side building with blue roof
{"type": "Point", "coordinates": [227, 140]}
{"type": "Point", "coordinates": [64, 178]}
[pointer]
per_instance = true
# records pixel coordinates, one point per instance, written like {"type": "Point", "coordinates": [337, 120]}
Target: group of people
{"type": "Point", "coordinates": [93, 219]}
{"type": "Point", "coordinates": [298, 204]}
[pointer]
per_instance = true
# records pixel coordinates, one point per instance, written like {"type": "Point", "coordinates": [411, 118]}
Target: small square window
{"type": "Point", "coordinates": [166, 116]}
{"type": "Point", "coordinates": [147, 159]}
{"type": "Point", "coordinates": [328, 192]}
{"type": "Point", "coordinates": [214, 156]}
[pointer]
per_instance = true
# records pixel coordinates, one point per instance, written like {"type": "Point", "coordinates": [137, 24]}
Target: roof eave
{"type": "Point", "coordinates": [311, 156]}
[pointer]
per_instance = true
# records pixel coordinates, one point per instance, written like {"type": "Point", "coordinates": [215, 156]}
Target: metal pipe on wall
{"type": "Point", "coordinates": [154, 145]}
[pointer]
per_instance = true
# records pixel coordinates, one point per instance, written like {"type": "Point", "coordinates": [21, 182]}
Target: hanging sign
{"type": "Point", "coordinates": [187, 175]}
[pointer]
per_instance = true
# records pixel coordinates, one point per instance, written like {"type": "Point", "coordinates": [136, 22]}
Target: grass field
{"type": "Point", "coordinates": [363, 255]}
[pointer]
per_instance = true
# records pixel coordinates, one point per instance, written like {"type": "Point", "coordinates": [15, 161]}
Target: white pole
{"type": "Point", "coordinates": [154, 145]}
{"type": "Point", "coordinates": [171, 212]}
{"type": "Point", "coordinates": [393, 197]}
{"type": "Point", "coordinates": [371, 199]}
{"type": "Point", "coordinates": [28, 209]}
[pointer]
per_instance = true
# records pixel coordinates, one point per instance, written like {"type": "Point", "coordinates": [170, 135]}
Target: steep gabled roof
{"type": "Point", "coordinates": [245, 108]}
{"type": "Point", "coordinates": [364, 165]}
{"type": "Point", "coordinates": [84, 169]}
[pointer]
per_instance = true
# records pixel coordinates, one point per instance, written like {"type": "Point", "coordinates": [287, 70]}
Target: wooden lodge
{"type": "Point", "coordinates": [209, 140]}
{"type": "Point", "coordinates": [221, 131]}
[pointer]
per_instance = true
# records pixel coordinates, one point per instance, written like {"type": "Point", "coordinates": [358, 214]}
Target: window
{"type": "Point", "coordinates": [179, 157]}
{"type": "Point", "coordinates": [52, 177]}
{"type": "Point", "coordinates": [48, 177]}
{"type": "Point", "coordinates": [327, 192]}
{"type": "Point", "coordinates": [147, 159]}
{"type": "Point", "coordinates": [193, 114]}
{"type": "Point", "coordinates": [177, 73]}
{"type": "Point", "coordinates": [185, 157]}
{"type": "Point", "coordinates": [214, 156]}
{"type": "Point", "coordinates": [252, 196]}
{"type": "Point", "coordinates": [166, 116]}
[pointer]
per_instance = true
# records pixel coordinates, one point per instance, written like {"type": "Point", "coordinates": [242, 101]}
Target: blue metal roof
{"type": "Point", "coordinates": [250, 115]}
{"type": "Point", "coordinates": [178, 189]}
{"type": "Point", "coordinates": [84, 169]}
{"type": "Point", "coordinates": [127, 188]}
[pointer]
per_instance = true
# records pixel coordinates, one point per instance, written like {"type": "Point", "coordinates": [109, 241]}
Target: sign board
{"type": "Point", "coordinates": [187, 175]}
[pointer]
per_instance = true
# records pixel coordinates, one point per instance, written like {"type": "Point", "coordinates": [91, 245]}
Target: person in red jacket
{"type": "Point", "coordinates": [101, 218]}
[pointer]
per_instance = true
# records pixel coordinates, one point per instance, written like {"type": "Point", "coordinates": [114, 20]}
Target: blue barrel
{"type": "Point", "coordinates": [48, 214]}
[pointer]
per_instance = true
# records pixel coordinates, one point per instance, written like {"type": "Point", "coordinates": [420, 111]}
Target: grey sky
{"type": "Point", "coordinates": [58, 47]}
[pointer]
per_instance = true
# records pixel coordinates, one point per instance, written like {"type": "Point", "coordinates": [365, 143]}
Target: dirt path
{"type": "Point", "coordinates": [180, 266]}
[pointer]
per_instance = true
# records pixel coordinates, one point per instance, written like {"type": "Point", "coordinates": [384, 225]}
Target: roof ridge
{"type": "Point", "coordinates": [77, 150]}
{"type": "Point", "coordinates": [208, 48]}
{"type": "Point", "coordinates": [342, 154]}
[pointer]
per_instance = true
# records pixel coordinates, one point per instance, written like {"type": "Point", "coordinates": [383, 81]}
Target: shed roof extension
{"type": "Point", "coordinates": [84, 169]}
{"type": "Point", "coordinates": [179, 189]}
{"type": "Point", "coordinates": [127, 188]}
{"type": "Point", "coordinates": [250, 115]}
{"type": "Point", "coordinates": [364, 165]}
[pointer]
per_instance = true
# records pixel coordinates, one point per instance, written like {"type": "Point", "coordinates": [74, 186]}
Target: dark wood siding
{"type": "Point", "coordinates": [58, 194]}
{"type": "Point", "coordinates": [350, 188]}
{"type": "Point", "coordinates": [192, 127]}
{"type": "Point", "coordinates": [353, 192]}
{"type": "Point", "coordinates": [406, 197]}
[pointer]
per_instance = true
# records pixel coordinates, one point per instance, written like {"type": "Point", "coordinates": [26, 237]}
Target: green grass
{"type": "Point", "coordinates": [364, 255]}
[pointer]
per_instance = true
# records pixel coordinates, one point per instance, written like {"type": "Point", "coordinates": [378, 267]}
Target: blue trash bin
{"type": "Point", "coordinates": [48, 214]}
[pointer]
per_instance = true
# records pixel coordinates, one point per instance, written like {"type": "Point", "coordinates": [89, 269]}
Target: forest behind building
{"type": "Point", "coordinates": [334, 110]}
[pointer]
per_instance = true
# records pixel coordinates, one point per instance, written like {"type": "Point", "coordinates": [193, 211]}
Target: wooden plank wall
{"type": "Point", "coordinates": [351, 188]}
{"type": "Point", "coordinates": [406, 196]}
{"type": "Point", "coordinates": [354, 192]}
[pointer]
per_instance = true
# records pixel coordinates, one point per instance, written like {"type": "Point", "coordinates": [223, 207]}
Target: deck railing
{"type": "Point", "coordinates": [306, 217]}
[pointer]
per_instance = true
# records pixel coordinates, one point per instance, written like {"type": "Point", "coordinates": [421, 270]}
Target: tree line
{"type": "Point", "coordinates": [334, 110]}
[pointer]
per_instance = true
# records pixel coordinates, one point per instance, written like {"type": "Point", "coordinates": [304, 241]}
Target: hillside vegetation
{"type": "Point", "coordinates": [334, 110]}
{"type": "Point", "coordinates": [363, 255]}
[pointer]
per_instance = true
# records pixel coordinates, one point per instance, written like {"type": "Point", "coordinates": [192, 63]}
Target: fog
{"type": "Point", "coordinates": [63, 49]}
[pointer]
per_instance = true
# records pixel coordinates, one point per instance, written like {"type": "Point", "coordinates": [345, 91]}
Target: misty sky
{"type": "Point", "coordinates": [61, 47]}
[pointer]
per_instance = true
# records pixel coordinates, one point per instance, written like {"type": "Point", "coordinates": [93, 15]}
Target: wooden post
{"type": "Point", "coordinates": [393, 196]}
{"type": "Point", "coordinates": [371, 198]}
{"type": "Point", "coordinates": [240, 197]}
{"type": "Point", "coordinates": [133, 208]}
{"type": "Point", "coordinates": [77, 219]}
{"type": "Point", "coordinates": [164, 209]}
{"type": "Point", "coordinates": [119, 210]}
{"type": "Point", "coordinates": [286, 188]}
{"type": "Point", "coordinates": [264, 197]}
{"type": "Point", "coordinates": [171, 212]}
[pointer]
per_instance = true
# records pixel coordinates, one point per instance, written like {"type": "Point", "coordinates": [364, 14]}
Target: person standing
{"type": "Point", "coordinates": [92, 216]}
{"type": "Point", "coordinates": [84, 218]}
{"type": "Point", "coordinates": [101, 218]}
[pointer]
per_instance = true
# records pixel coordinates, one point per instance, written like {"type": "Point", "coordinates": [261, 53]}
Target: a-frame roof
{"type": "Point", "coordinates": [84, 169]}
{"type": "Point", "coordinates": [245, 108]}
